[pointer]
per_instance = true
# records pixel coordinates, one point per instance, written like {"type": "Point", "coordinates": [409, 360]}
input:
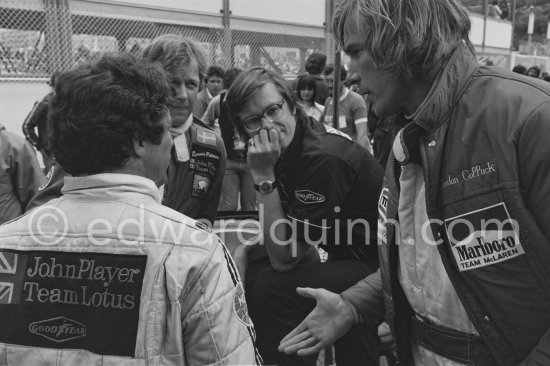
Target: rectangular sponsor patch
{"type": "Point", "coordinates": [483, 237]}
{"type": "Point", "coordinates": [204, 160]}
{"type": "Point", "coordinates": [70, 300]}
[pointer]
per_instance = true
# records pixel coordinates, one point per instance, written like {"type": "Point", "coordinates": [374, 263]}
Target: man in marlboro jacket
{"type": "Point", "coordinates": [463, 228]}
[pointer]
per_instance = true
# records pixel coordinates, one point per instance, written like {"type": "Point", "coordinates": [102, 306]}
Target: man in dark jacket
{"type": "Point", "coordinates": [314, 186]}
{"type": "Point", "coordinates": [197, 167]}
{"type": "Point", "coordinates": [195, 174]}
{"type": "Point", "coordinates": [464, 240]}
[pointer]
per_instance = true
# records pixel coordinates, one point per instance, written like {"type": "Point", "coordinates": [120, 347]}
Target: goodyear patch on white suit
{"type": "Point", "coordinates": [382, 216]}
{"type": "Point", "coordinates": [47, 179]}
{"type": "Point", "coordinates": [483, 237]}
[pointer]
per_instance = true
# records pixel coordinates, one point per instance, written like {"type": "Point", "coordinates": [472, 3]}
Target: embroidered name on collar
{"type": "Point", "coordinates": [470, 174]}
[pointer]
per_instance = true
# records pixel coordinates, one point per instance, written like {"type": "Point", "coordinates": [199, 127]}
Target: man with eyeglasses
{"type": "Point", "coordinates": [315, 186]}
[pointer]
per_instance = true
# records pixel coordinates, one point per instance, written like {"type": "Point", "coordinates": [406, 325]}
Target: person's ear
{"type": "Point", "coordinates": [139, 149]}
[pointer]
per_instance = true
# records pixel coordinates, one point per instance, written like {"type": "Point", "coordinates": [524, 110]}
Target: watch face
{"type": "Point", "coordinates": [266, 186]}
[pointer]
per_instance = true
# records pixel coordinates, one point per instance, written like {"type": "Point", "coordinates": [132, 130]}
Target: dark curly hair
{"type": "Point", "coordinates": [329, 69]}
{"type": "Point", "coordinates": [100, 108]}
{"type": "Point", "coordinates": [306, 81]}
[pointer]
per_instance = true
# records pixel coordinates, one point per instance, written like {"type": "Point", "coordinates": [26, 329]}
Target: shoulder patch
{"type": "Point", "coordinates": [206, 137]}
{"type": "Point", "coordinates": [47, 179]}
{"type": "Point", "coordinates": [201, 186]}
{"type": "Point", "coordinates": [239, 305]}
{"type": "Point", "coordinates": [483, 237]}
{"type": "Point", "coordinates": [334, 131]}
{"type": "Point", "coordinates": [309, 197]}
{"type": "Point", "coordinates": [204, 160]}
{"type": "Point", "coordinates": [382, 210]}
{"type": "Point", "coordinates": [202, 226]}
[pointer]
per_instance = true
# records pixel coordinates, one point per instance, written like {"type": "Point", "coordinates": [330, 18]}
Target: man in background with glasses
{"type": "Point", "coordinates": [315, 186]}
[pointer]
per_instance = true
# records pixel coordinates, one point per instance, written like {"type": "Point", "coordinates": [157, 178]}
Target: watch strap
{"type": "Point", "coordinates": [274, 184]}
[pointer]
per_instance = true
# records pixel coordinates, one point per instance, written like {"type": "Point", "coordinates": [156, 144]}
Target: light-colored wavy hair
{"type": "Point", "coordinates": [173, 52]}
{"type": "Point", "coordinates": [409, 38]}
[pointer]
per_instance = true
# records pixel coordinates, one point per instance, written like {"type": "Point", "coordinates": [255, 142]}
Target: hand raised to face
{"type": "Point", "coordinates": [264, 149]}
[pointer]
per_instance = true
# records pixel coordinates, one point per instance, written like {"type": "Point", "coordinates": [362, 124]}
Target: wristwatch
{"type": "Point", "coordinates": [266, 186]}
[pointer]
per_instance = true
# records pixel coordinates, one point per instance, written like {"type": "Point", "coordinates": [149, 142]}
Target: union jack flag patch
{"type": "Point", "coordinates": [12, 270]}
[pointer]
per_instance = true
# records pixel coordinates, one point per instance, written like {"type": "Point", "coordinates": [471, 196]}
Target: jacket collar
{"type": "Point", "coordinates": [446, 89]}
{"type": "Point", "coordinates": [110, 187]}
{"type": "Point", "coordinates": [176, 131]}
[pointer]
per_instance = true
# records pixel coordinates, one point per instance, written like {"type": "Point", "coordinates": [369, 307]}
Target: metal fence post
{"type": "Point", "coordinates": [58, 35]}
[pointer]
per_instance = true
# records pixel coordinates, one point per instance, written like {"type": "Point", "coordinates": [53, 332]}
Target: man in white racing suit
{"type": "Point", "coordinates": [105, 274]}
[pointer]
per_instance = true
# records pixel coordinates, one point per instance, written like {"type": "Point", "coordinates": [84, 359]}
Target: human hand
{"type": "Point", "coordinates": [264, 149]}
{"type": "Point", "coordinates": [331, 318]}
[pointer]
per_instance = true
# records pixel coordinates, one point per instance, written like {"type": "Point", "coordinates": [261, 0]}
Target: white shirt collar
{"type": "Point", "coordinates": [344, 94]}
{"type": "Point", "coordinates": [184, 127]}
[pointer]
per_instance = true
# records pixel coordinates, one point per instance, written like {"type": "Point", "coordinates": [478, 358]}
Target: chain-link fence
{"type": "Point", "coordinates": [35, 40]}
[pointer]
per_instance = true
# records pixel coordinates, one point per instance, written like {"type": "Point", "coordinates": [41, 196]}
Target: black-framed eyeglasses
{"type": "Point", "coordinates": [272, 113]}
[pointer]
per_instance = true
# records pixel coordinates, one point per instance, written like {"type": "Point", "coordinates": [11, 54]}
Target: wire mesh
{"type": "Point", "coordinates": [37, 41]}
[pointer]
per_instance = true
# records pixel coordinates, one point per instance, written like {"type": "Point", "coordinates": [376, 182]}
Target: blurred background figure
{"type": "Point", "coordinates": [213, 85]}
{"type": "Point", "coordinates": [306, 91]}
{"type": "Point", "coordinates": [533, 71]}
{"type": "Point", "coordinates": [20, 174]}
{"type": "Point", "coordinates": [520, 69]}
{"type": "Point", "coordinates": [504, 9]}
{"type": "Point", "coordinates": [494, 10]}
{"type": "Point", "coordinates": [315, 64]}
{"type": "Point", "coordinates": [237, 180]}
{"type": "Point", "coordinates": [35, 125]}
{"type": "Point", "coordinates": [353, 113]}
